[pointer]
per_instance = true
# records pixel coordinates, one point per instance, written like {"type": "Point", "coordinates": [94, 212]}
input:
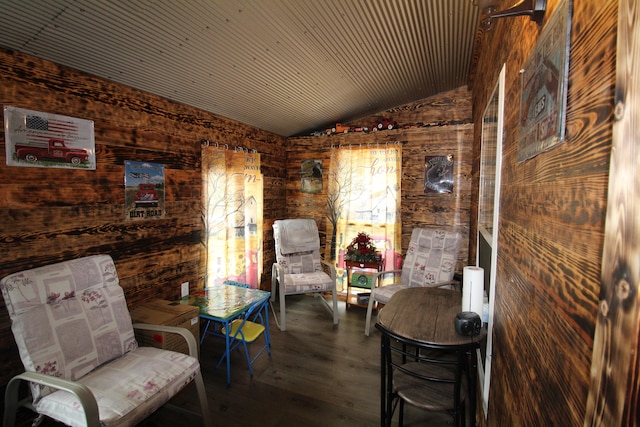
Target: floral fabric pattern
{"type": "Point", "coordinates": [431, 258]}
{"type": "Point", "coordinates": [64, 315]}
{"type": "Point", "coordinates": [303, 270]}
{"type": "Point", "coordinates": [69, 319]}
{"type": "Point", "coordinates": [134, 385]}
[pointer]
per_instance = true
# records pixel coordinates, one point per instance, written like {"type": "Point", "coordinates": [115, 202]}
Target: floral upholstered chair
{"type": "Point", "coordinates": [298, 268]}
{"type": "Point", "coordinates": [76, 341]}
{"type": "Point", "coordinates": [430, 262]}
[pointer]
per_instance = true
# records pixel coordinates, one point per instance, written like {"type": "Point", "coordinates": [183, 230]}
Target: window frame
{"type": "Point", "coordinates": [488, 217]}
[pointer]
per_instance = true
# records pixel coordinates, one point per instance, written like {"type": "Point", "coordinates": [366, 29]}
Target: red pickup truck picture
{"type": "Point", "coordinates": [54, 149]}
{"type": "Point", "coordinates": [146, 196]}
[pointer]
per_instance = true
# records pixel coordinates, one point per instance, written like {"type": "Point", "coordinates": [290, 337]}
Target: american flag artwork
{"type": "Point", "coordinates": [40, 129]}
{"type": "Point", "coordinates": [37, 128]}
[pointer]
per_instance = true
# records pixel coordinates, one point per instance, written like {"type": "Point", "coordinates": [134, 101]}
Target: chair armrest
{"type": "Point", "coordinates": [454, 283]}
{"type": "Point", "coordinates": [378, 276]}
{"type": "Point", "coordinates": [185, 333]}
{"type": "Point", "coordinates": [331, 268]}
{"type": "Point", "coordinates": [82, 392]}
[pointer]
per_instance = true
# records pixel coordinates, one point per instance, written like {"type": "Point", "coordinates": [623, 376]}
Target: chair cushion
{"type": "Point", "coordinates": [297, 235]}
{"type": "Point", "coordinates": [383, 294]}
{"type": "Point", "coordinates": [302, 252]}
{"type": "Point", "coordinates": [431, 257]}
{"type": "Point", "coordinates": [147, 377]}
{"type": "Point", "coordinates": [301, 262]}
{"type": "Point", "coordinates": [307, 282]}
{"type": "Point", "coordinates": [68, 318]}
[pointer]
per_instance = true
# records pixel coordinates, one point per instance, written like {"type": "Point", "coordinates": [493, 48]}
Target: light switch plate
{"type": "Point", "coordinates": [184, 290]}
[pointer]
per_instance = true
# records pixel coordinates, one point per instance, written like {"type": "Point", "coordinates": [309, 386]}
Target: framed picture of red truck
{"type": "Point", "coordinates": [38, 139]}
{"type": "Point", "coordinates": [144, 190]}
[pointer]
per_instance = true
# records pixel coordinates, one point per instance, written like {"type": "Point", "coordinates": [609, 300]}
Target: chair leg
{"type": "Point", "coordinates": [277, 284]}
{"type": "Point", "coordinates": [267, 330]}
{"type": "Point", "coordinates": [11, 403]}
{"type": "Point", "coordinates": [334, 294]}
{"type": "Point", "coordinates": [249, 361]}
{"type": "Point", "coordinates": [367, 323]}
{"type": "Point", "coordinates": [283, 318]}
{"type": "Point", "coordinates": [204, 405]}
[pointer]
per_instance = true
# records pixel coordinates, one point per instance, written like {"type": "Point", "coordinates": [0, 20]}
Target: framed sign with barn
{"type": "Point", "coordinates": [543, 101]}
{"type": "Point", "coordinates": [311, 181]}
{"type": "Point", "coordinates": [38, 139]}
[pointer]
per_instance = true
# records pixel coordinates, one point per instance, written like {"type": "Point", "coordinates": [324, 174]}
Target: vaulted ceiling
{"type": "Point", "coordinates": [285, 66]}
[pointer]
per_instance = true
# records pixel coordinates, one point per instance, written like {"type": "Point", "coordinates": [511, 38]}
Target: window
{"type": "Point", "coordinates": [364, 196]}
{"type": "Point", "coordinates": [232, 215]}
{"type": "Point", "coordinates": [488, 207]}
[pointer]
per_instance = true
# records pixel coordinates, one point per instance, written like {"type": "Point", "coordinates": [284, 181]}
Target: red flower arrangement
{"type": "Point", "coordinates": [362, 249]}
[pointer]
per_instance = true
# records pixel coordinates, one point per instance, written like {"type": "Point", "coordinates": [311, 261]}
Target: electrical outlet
{"type": "Point", "coordinates": [184, 290]}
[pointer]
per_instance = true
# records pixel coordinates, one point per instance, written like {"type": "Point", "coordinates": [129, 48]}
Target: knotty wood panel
{"type": "Point", "coordinates": [445, 128]}
{"type": "Point", "coordinates": [51, 215]}
{"type": "Point", "coordinates": [551, 223]}
{"type": "Point", "coordinates": [615, 382]}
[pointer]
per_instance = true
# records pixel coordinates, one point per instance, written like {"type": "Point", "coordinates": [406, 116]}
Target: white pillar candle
{"type": "Point", "coordinates": [473, 289]}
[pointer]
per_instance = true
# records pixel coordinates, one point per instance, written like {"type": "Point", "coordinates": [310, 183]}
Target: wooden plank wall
{"type": "Point", "coordinates": [552, 214]}
{"type": "Point", "coordinates": [438, 125]}
{"type": "Point", "coordinates": [551, 223]}
{"type": "Point", "coordinates": [615, 374]}
{"type": "Point", "coordinates": [51, 215]}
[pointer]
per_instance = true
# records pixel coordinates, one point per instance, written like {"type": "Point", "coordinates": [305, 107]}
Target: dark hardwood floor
{"type": "Point", "coordinates": [318, 374]}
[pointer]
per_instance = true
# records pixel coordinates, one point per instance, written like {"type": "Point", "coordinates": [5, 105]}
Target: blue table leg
{"type": "Point", "coordinates": [204, 332]}
{"type": "Point", "coordinates": [227, 353]}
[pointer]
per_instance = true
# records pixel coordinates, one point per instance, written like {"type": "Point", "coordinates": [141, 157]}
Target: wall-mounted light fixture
{"type": "Point", "coordinates": [489, 10]}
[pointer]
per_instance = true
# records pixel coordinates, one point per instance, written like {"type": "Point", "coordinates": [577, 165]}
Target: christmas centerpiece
{"type": "Point", "coordinates": [362, 249]}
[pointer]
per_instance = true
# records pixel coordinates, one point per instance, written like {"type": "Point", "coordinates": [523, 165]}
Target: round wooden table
{"type": "Point", "coordinates": [426, 317]}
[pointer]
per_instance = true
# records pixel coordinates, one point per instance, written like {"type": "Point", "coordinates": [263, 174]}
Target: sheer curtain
{"type": "Point", "coordinates": [364, 196]}
{"type": "Point", "coordinates": [232, 215]}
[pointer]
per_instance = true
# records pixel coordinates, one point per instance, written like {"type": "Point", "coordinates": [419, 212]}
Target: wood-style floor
{"type": "Point", "coordinates": [318, 374]}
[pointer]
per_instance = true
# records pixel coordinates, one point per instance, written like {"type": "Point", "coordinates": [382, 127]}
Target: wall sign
{"type": "Point", "coordinates": [37, 139]}
{"type": "Point", "coordinates": [311, 176]}
{"type": "Point", "coordinates": [543, 98]}
{"type": "Point", "coordinates": [438, 174]}
{"type": "Point", "coordinates": [144, 190]}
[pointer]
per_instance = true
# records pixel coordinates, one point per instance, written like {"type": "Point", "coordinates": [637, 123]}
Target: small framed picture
{"type": "Point", "coordinates": [311, 176]}
{"type": "Point", "coordinates": [438, 174]}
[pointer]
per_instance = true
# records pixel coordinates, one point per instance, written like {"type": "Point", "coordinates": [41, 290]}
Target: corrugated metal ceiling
{"type": "Point", "coordinates": [286, 66]}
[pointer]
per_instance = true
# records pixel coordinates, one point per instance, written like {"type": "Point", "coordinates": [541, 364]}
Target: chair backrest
{"type": "Point", "coordinates": [297, 245]}
{"type": "Point", "coordinates": [423, 376]}
{"type": "Point", "coordinates": [68, 318]}
{"type": "Point", "coordinates": [431, 257]}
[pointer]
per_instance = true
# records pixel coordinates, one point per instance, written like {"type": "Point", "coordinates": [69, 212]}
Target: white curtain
{"type": "Point", "coordinates": [364, 196]}
{"type": "Point", "coordinates": [232, 215]}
